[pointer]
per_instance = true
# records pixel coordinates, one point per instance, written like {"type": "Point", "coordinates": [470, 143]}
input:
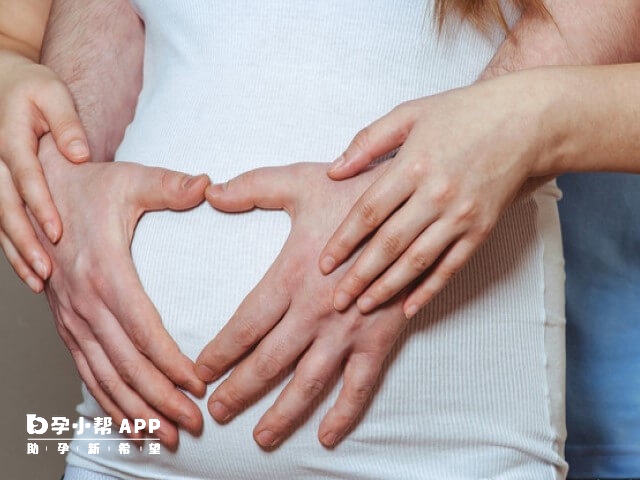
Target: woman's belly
{"type": "Point", "coordinates": [473, 388]}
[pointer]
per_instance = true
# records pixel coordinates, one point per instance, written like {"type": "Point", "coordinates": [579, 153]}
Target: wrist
{"type": "Point", "coordinates": [556, 102]}
{"type": "Point", "coordinates": [541, 117]}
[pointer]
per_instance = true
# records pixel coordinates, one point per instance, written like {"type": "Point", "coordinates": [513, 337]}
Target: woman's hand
{"type": "Point", "coordinates": [289, 316]}
{"type": "Point", "coordinates": [463, 157]}
{"type": "Point", "coordinates": [33, 102]}
{"type": "Point", "coordinates": [127, 359]}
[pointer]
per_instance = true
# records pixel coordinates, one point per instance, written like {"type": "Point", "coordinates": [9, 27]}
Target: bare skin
{"type": "Point", "coordinates": [33, 102]}
{"type": "Point", "coordinates": [125, 356]}
{"type": "Point", "coordinates": [146, 323]}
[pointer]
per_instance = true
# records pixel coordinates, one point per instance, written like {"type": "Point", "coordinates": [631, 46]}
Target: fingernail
{"type": "Point", "coordinates": [51, 231]}
{"type": "Point", "coordinates": [366, 304]}
{"type": "Point", "coordinates": [195, 387]}
{"type": "Point", "coordinates": [189, 182]}
{"type": "Point", "coordinates": [341, 301]}
{"type": "Point", "coordinates": [337, 163]}
{"type": "Point", "coordinates": [216, 189]}
{"type": "Point", "coordinates": [185, 422]}
{"type": "Point", "coordinates": [327, 264]}
{"type": "Point", "coordinates": [205, 373]}
{"type": "Point", "coordinates": [40, 269]}
{"type": "Point", "coordinates": [78, 149]}
{"type": "Point", "coordinates": [267, 438]}
{"type": "Point", "coordinates": [34, 284]}
{"type": "Point", "coordinates": [410, 311]}
{"type": "Point", "coordinates": [220, 412]}
{"type": "Point", "coordinates": [330, 439]}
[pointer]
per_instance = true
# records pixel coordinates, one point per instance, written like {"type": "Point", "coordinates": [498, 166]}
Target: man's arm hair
{"type": "Point", "coordinates": [578, 32]}
{"type": "Point", "coordinates": [97, 47]}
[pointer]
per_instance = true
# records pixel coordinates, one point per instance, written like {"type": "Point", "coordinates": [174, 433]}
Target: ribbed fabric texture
{"type": "Point", "coordinates": [473, 388]}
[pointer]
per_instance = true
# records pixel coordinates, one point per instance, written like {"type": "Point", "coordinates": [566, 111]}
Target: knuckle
{"type": "Point", "coordinates": [165, 403]}
{"type": "Point", "coordinates": [139, 337]}
{"type": "Point", "coordinates": [80, 306]}
{"type": "Point", "coordinates": [342, 245]}
{"type": "Point", "coordinates": [311, 387]}
{"type": "Point", "coordinates": [419, 262]}
{"type": "Point", "coordinates": [24, 178]}
{"type": "Point", "coordinates": [233, 399]}
{"type": "Point", "coordinates": [63, 320]}
{"type": "Point", "coordinates": [362, 140]}
{"type": "Point", "coordinates": [467, 212]}
{"type": "Point", "coordinates": [368, 214]}
{"type": "Point", "coordinates": [246, 332]}
{"type": "Point", "coordinates": [165, 180]}
{"type": "Point", "coordinates": [267, 366]}
{"type": "Point", "coordinates": [360, 394]}
{"type": "Point", "coordinates": [420, 167]}
{"type": "Point", "coordinates": [282, 421]}
{"type": "Point", "coordinates": [109, 386]}
{"type": "Point", "coordinates": [381, 291]}
{"type": "Point", "coordinates": [401, 133]}
{"type": "Point", "coordinates": [355, 282]}
{"type": "Point", "coordinates": [248, 179]}
{"type": "Point", "coordinates": [391, 244]}
{"type": "Point", "coordinates": [82, 266]}
{"type": "Point", "coordinates": [442, 194]}
{"type": "Point", "coordinates": [129, 370]}
{"type": "Point", "coordinates": [179, 374]}
{"type": "Point", "coordinates": [75, 352]}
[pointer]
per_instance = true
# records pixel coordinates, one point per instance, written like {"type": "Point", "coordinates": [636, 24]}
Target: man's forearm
{"type": "Point", "coordinates": [579, 32]}
{"type": "Point", "coordinates": [96, 47]}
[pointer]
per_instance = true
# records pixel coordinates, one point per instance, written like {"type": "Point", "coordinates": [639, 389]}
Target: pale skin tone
{"type": "Point", "coordinates": [431, 212]}
{"type": "Point", "coordinates": [365, 343]}
{"type": "Point", "coordinates": [542, 153]}
{"type": "Point", "coordinates": [126, 358]}
{"type": "Point", "coordinates": [34, 102]}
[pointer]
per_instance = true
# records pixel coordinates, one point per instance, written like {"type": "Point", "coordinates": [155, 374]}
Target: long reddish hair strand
{"type": "Point", "coordinates": [482, 13]}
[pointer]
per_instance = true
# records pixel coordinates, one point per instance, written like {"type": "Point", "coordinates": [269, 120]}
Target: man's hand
{"type": "Point", "coordinates": [128, 361]}
{"type": "Point", "coordinates": [290, 314]}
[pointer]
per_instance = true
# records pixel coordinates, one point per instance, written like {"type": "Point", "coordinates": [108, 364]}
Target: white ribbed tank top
{"type": "Point", "coordinates": [474, 388]}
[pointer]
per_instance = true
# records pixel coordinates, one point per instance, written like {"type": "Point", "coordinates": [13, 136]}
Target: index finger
{"type": "Point", "coordinates": [123, 294]}
{"type": "Point", "coordinates": [374, 206]}
{"type": "Point", "coordinates": [29, 180]}
{"type": "Point", "coordinates": [262, 308]}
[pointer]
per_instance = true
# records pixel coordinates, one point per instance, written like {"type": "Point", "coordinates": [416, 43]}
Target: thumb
{"type": "Point", "coordinates": [162, 189]}
{"type": "Point", "coordinates": [268, 188]}
{"type": "Point", "coordinates": [60, 114]}
{"type": "Point", "coordinates": [374, 141]}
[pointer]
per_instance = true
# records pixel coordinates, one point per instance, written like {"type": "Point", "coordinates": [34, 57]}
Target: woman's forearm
{"type": "Point", "coordinates": [590, 120]}
{"type": "Point", "coordinates": [22, 25]}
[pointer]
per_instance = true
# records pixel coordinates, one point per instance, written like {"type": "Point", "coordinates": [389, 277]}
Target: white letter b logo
{"type": "Point", "coordinates": [36, 425]}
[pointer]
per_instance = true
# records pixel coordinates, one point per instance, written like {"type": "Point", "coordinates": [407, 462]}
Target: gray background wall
{"type": "Point", "coordinates": [37, 375]}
